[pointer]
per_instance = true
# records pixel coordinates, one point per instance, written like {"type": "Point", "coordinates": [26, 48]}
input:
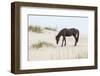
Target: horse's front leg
{"type": "Point", "coordinates": [62, 42]}
{"type": "Point", "coordinates": [65, 41]}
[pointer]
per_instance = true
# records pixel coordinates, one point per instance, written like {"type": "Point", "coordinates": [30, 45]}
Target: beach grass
{"type": "Point", "coordinates": [36, 29]}
{"type": "Point", "coordinates": [42, 44]}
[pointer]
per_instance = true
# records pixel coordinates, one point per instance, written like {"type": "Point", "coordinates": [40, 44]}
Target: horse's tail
{"type": "Point", "coordinates": [77, 38]}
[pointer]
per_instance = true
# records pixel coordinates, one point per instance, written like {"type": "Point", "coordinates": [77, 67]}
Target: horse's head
{"type": "Point", "coordinates": [57, 39]}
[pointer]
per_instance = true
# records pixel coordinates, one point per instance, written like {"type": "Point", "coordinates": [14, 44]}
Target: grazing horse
{"type": "Point", "coordinates": [68, 32]}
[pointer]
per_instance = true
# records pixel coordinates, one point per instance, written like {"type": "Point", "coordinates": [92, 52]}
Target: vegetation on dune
{"type": "Point", "coordinates": [36, 29]}
{"type": "Point", "coordinates": [42, 44]}
{"type": "Point", "coordinates": [52, 29]}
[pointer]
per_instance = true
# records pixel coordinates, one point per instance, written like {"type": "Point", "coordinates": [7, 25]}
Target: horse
{"type": "Point", "coordinates": [68, 32]}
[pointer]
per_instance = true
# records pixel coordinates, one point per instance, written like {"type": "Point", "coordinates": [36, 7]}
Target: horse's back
{"type": "Point", "coordinates": [69, 32]}
{"type": "Point", "coordinates": [66, 29]}
{"type": "Point", "coordinates": [74, 30]}
{"type": "Point", "coordinates": [66, 32]}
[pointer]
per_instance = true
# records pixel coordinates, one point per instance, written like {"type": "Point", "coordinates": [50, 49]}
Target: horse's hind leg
{"type": "Point", "coordinates": [75, 43]}
{"type": "Point", "coordinates": [75, 40]}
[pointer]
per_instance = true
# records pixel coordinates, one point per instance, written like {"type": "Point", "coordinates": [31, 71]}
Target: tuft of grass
{"type": "Point", "coordinates": [36, 29]}
{"type": "Point", "coordinates": [48, 28]}
{"type": "Point", "coordinates": [41, 44]}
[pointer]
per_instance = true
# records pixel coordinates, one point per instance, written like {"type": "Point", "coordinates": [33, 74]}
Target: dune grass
{"type": "Point", "coordinates": [52, 29]}
{"type": "Point", "coordinates": [36, 29]}
{"type": "Point", "coordinates": [42, 44]}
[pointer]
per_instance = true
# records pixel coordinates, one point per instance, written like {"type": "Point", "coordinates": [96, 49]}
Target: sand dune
{"type": "Point", "coordinates": [57, 52]}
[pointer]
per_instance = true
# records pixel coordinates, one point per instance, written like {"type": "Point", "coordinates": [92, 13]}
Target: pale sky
{"type": "Point", "coordinates": [60, 22]}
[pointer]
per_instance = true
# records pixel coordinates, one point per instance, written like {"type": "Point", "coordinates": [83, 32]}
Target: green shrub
{"type": "Point", "coordinates": [41, 44]}
{"type": "Point", "coordinates": [35, 29]}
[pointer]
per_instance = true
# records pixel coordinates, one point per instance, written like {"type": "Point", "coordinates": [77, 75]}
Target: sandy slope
{"type": "Point", "coordinates": [57, 52]}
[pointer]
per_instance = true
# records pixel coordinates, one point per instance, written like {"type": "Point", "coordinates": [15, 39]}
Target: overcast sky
{"type": "Point", "coordinates": [60, 22]}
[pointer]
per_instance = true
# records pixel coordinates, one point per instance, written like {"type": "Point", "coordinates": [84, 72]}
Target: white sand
{"type": "Point", "coordinates": [57, 52]}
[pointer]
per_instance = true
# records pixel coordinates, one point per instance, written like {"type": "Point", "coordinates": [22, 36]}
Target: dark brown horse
{"type": "Point", "coordinates": [68, 32]}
